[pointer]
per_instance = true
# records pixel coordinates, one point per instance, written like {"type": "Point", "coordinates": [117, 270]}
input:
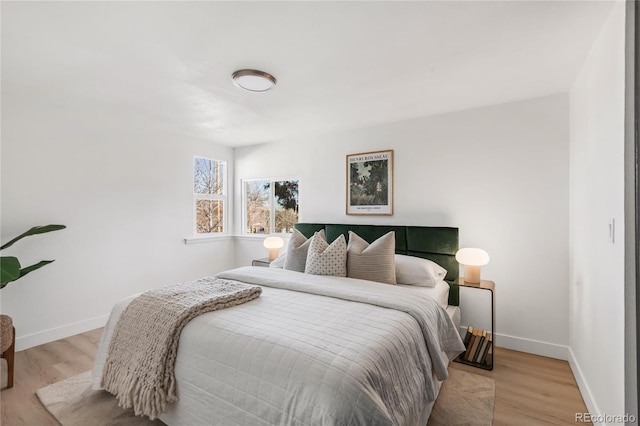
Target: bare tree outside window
{"type": "Point", "coordinates": [270, 206]}
{"type": "Point", "coordinates": [210, 215]}
{"type": "Point", "coordinates": [209, 194]}
{"type": "Point", "coordinates": [257, 195]}
{"type": "Point", "coordinates": [208, 176]}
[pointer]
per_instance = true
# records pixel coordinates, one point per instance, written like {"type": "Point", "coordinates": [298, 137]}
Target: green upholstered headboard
{"type": "Point", "coordinates": [438, 244]}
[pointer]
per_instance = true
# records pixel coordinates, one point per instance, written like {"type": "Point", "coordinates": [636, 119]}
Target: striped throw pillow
{"type": "Point", "coordinates": [373, 262]}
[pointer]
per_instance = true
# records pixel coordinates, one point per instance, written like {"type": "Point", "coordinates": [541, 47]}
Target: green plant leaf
{"type": "Point", "coordinates": [9, 270]}
{"type": "Point", "coordinates": [34, 231]}
{"type": "Point", "coordinates": [25, 271]}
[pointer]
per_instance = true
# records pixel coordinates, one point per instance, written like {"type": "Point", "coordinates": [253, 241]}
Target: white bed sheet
{"type": "Point", "coordinates": [440, 292]}
{"type": "Point", "coordinates": [454, 313]}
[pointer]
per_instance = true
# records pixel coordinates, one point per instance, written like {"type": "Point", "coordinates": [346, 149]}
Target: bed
{"type": "Point", "coordinates": [317, 349]}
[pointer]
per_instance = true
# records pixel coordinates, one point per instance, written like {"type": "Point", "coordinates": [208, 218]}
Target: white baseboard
{"type": "Point", "coordinates": [46, 336]}
{"type": "Point", "coordinates": [589, 401]}
{"type": "Point", "coordinates": [535, 347]}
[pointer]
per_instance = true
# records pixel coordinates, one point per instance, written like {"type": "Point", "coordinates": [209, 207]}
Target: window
{"type": "Point", "coordinates": [209, 194]}
{"type": "Point", "coordinates": [264, 199]}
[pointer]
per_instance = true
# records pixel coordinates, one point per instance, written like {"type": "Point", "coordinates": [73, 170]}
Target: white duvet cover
{"type": "Point", "coordinates": [312, 350]}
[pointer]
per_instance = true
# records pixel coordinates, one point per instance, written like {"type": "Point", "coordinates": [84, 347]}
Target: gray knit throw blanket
{"type": "Point", "coordinates": [139, 369]}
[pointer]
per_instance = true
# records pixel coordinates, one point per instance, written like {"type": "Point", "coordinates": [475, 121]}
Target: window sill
{"type": "Point", "coordinates": [251, 237]}
{"type": "Point", "coordinates": [260, 237]}
{"type": "Point", "coordinates": [215, 238]}
{"type": "Point", "coordinates": [207, 239]}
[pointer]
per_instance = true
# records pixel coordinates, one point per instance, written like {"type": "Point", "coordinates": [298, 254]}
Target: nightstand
{"type": "Point", "coordinates": [261, 262]}
{"type": "Point", "coordinates": [483, 285]}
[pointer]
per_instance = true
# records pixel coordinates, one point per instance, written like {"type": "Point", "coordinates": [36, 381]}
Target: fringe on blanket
{"type": "Point", "coordinates": [139, 369]}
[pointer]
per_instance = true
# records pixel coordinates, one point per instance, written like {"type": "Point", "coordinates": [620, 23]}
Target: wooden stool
{"type": "Point", "coordinates": [8, 345]}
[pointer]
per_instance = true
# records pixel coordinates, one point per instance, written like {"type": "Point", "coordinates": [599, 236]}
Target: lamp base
{"type": "Point", "coordinates": [472, 274]}
{"type": "Point", "coordinates": [273, 253]}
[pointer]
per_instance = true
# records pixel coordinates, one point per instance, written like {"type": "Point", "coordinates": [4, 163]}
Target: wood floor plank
{"type": "Point", "coordinates": [530, 389]}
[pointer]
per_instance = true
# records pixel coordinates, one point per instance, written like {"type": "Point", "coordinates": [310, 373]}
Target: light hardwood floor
{"type": "Point", "coordinates": [530, 390]}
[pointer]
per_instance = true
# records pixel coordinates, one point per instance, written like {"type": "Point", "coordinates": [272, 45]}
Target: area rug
{"type": "Point", "coordinates": [465, 399]}
{"type": "Point", "coordinates": [73, 403]}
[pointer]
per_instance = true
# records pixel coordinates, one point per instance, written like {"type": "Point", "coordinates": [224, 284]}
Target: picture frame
{"type": "Point", "coordinates": [370, 183]}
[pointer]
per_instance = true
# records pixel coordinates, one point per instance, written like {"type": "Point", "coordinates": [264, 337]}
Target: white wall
{"type": "Point", "coordinates": [122, 183]}
{"type": "Point", "coordinates": [499, 173]}
{"type": "Point", "coordinates": [597, 195]}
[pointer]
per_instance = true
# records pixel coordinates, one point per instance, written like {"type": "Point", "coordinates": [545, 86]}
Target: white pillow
{"type": "Point", "coordinates": [327, 259]}
{"type": "Point", "coordinates": [278, 262]}
{"type": "Point", "coordinates": [373, 262]}
{"type": "Point", "coordinates": [412, 270]}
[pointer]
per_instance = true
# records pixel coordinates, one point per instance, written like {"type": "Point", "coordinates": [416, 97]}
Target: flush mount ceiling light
{"type": "Point", "coordinates": [253, 80]}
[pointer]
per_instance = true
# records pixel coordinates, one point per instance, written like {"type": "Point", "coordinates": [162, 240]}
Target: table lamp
{"type": "Point", "coordinates": [472, 259]}
{"type": "Point", "coordinates": [274, 244]}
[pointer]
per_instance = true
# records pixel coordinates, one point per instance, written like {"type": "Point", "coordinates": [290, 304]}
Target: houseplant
{"type": "Point", "coordinates": [10, 268]}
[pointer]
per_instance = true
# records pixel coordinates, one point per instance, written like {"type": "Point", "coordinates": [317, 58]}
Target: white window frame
{"type": "Point", "coordinates": [272, 198]}
{"type": "Point", "coordinates": [221, 197]}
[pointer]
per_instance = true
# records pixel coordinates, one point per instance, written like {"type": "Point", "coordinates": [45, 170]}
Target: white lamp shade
{"type": "Point", "coordinates": [472, 256]}
{"type": "Point", "coordinates": [274, 244]}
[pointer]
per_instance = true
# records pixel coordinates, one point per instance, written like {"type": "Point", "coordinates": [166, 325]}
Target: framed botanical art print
{"type": "Point", "coordinates": [370, 183]}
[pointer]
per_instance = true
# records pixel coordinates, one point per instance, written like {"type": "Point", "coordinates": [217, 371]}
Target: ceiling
{"type": "Point", "coordinates": [339, 65]}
